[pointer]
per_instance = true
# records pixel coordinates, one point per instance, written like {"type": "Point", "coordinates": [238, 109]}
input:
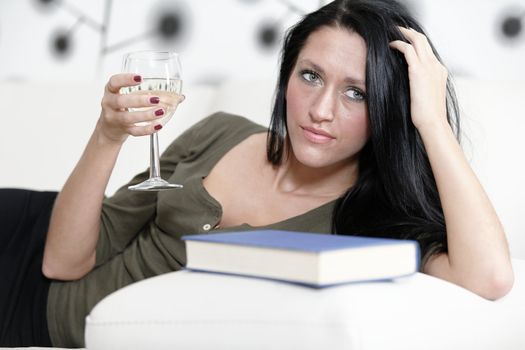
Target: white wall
{"type": "Point", "coordinates": [220, 43]}
{"type": "Point", "coordinates": [219, 37]}
{"type": "Point", "coordinates": [469, 38]}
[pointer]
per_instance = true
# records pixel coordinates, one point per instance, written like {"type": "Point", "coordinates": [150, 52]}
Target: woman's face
{"type": "Point", "coordinates": [327, 114]}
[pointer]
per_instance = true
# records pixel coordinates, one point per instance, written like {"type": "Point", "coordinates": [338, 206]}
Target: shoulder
{"type": "Point", "coordinates": [226, 122]}
{"type": "Point", "coordinates": [222, 125]}
{"type": "Point", "coordinates": [216, 130]}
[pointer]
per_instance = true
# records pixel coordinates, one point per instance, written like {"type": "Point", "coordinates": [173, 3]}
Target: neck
{"type": "Point", "coordinates": [331, 181]}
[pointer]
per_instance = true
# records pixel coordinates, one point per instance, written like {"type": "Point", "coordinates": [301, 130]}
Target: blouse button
{"type": "Point", "coordinates": [206, 227]}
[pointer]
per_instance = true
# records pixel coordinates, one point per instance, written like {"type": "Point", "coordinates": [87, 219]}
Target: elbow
{"type": "Point", "coordinates": [63, 272]}
{"type": "Point", "coordinates": [498, 284]}
{"type": "Point", "coordinates": [52, 273]}
{"type": "Point", "coordinates": [49, 272]}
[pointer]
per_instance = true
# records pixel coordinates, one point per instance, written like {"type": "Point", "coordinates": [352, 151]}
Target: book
{"type": "Point", "coordinates": [316, 260]}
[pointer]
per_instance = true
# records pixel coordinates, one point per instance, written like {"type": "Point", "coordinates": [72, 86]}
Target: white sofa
{"type": "Point", "coordinates": [46, 125]}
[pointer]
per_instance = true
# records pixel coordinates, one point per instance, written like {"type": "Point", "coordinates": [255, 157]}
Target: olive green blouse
{"type": "Point", "coordinates": [140, 234]}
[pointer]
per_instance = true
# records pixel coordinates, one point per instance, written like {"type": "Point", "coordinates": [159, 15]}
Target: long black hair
{"type": "Point", "coordinates": [395, 194]}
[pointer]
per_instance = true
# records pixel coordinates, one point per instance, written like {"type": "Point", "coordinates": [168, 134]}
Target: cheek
{"type": "Point", "coordinates": [357, 125]}
{"type": "Point", "coordinates": [357, 132]}
{"type": "Point", "coordinates": [293, 97]}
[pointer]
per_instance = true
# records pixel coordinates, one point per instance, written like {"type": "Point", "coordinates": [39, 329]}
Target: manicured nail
{"type": "Point", "coordinates": [137, 78]}
{"type": "Point", "coordinates": [159, 112]}
{"type": "Point", "coordinates": [158, 127]}
{"type": "Point", "coordinates": [154, 100]}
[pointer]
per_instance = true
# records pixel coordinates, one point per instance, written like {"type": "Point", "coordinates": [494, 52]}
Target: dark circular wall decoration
{"type": "Point", "coordinates": [170, 25]}
{"type": "Point", "coordinates": [268, 35]}
{"type": "Point", "coordinates": [509, 25]}
{"type": "Point", "coordinates": [512, 26]}
{"type": "Point", "coordinates": [61, 44]}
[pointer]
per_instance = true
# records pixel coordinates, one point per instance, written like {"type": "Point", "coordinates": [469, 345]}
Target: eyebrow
{"type": "Point", "coordinates": [348, 79]}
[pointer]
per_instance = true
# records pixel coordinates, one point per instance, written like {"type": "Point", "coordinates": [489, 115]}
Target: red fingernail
{"type": "Point", "coordinates": [158, 127]}
{"type": "Point", "coordinates": [154, 100]}
{"type": "Point", "coordinates": [137, 78]}
{"type": "Point", "coordinates": [159, 112]}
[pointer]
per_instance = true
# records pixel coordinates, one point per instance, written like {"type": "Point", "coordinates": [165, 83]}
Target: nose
{"type": "Point", "coordinates": [323, 107]}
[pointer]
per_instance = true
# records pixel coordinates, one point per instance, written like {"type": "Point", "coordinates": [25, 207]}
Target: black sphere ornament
{"type": "Point", "coordinates": [170, 25]}
{"type": "Point", "coordinates": [45, 2]}
{"type": "Point", "coordinates": [62, 45]}
{"type": "Point", "coordinates": [511, 27]}
{"type": "Point", "coordinates": [268, 36]}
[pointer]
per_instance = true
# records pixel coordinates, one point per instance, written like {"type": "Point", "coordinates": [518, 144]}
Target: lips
{"type": "Point", "coordinates": [317, 135]}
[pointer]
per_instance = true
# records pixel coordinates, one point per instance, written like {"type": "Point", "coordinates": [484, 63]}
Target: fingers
{"type": "Point", "coordinates": [121, 101]}
{"type": "Point", "coordinates": [417, 51]}
{"type": "Point", "coordinates": [136, 120]}
{"type": "Point", "coordinates": [427, 78]}
{"type": "Point", "coordinates": [138, 123]}
{"type": "Point", "coordinates": [149, 129]}
{"type": "Point", "coordinates": [419, 43]}
{"type": "Point", "coordinates": [175, 99]}
{"type": "Point", "coordinates": [118, 81]}
{"type": "Point", "coordinates": [141, 116]}
{"type": "Point", "coordinates": [141, 99]}
{"type": "Point", "coordinates": [407, 50]}
{"type": "Point", "coordinates": [114, 100]}
{"type": "Point", "coordinates": [136, 112]}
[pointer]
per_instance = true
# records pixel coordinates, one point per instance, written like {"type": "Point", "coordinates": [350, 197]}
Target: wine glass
{"type": "Point", "coordinates": [161, 76]}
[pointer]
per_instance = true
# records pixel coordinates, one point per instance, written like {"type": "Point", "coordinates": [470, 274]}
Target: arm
{"type": "Point", "coordinates": [478, 257]}
{"type": "Point", "coordinates": [75, 221]}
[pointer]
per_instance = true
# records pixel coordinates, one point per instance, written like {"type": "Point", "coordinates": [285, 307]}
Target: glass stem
{"type": "Point", "coordinates": [154, 170]}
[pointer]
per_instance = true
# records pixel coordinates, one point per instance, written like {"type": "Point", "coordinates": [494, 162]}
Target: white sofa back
{"type": "Point", "coordinates": [44, 127]}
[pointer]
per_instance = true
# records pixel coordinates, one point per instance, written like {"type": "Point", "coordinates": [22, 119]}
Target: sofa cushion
{"type": "Point", "coordinates": [196, 310]}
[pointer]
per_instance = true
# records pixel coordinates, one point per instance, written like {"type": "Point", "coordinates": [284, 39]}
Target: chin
{"type": "Point", "coordinates": [314, 159]}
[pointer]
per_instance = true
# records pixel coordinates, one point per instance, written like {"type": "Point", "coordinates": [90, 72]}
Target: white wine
{"type": "Point", "coordinates": [163, 88]}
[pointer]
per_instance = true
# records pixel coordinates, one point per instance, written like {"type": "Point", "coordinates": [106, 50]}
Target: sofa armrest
{"type": "Point", "coordinates": [195, 310]}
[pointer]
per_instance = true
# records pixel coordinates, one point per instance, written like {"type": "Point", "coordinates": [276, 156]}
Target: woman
{"type": "Point", "coordinates": [361, 142]}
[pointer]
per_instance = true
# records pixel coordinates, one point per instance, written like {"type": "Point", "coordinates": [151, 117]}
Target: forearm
{"type": "Point", "coordinates": [75, 220]}
{"type": "Point", "coordinates": [70, 250]}
{"type": "Point", "coordinates": [478, 256]}
{"type": "Point", "coordinates": [477, 247]}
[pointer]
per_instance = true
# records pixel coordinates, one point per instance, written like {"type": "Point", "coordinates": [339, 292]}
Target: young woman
{"type": "Point", "coordinates": [362, 141]}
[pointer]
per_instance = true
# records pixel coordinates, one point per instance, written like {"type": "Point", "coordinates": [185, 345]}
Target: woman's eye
{"type": "Point", "coordinates": [355, 94]}
{"type": "Point", "coordinates": [310, 76]}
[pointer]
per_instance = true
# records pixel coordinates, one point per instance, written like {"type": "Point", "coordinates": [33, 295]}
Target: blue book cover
{"type": "Point", "coordinates": [244, 253]}
{"type": "Point", "coordinates": [310, 242]}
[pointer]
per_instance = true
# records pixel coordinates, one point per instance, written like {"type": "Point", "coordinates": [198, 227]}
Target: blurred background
{"type": "Point", "coordinates": [56, 55]}
{"type": "Point", "coordinates": [80, 40]}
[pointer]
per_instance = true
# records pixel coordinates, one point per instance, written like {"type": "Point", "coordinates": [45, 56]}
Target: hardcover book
{"type": "Point", "coordinates": [312, 259]}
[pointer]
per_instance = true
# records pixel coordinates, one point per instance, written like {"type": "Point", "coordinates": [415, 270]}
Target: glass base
{"type": "Point", "coordinates": [154, 184]}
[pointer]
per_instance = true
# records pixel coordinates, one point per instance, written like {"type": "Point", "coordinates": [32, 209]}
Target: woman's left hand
{"type": "Point", "coordinates": [478, 255]}
{"type": "Point", "coordinates": [428, 79]}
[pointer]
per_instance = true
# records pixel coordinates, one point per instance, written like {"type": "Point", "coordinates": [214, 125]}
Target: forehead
{"type": "Point", "coordinates": [337, 49]}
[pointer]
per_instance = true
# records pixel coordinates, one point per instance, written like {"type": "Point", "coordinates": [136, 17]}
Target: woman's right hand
{"type": "Point", "coordinates": [116, 122]}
